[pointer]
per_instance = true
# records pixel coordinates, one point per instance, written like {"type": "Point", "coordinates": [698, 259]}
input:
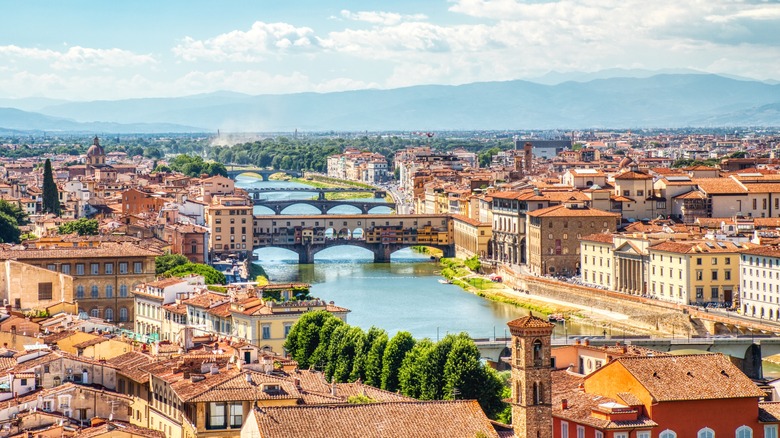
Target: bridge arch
{"type": "Point", "coordinates": [310, 207]}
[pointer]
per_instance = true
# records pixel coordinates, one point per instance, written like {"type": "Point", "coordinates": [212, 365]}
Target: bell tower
{"type": "Point", "coordinates": [531, 377]}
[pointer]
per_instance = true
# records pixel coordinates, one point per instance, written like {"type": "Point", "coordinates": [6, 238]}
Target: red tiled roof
{"type": "Point", "coordinates": [530, 321]}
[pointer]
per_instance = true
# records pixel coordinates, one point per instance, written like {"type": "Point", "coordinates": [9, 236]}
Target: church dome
{"type": "Point", "coordinates": [95, 150]}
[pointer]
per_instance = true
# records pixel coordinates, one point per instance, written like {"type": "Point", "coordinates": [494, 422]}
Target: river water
{"type": "Point", "coordinates": [402, 295]}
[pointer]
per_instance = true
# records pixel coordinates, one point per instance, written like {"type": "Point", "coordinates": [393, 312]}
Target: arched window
{"type": "Point", "coordinates": [95, 313]}
{"type": "Point", "coordinates": [539, 396]}
{"type": "Point", "coordinates": [94, 291]}
{"type": "Point", "coordinates": [123, 314]}
{"type": "Point", "coordinates": [667, 434]}
{"type": "Point", "coordinates": [109, 313]}
{"type": "Point", "coordinates": [123, 291]}
{"type": "Point", "coordinates": [537, 352]}
{"type": "Point", "coordinates": [109, 291]}
{"type": "Point", "coordinates": [744, 432]}
{"type": "Point", "coordinates": [80, 291]}
{"type": "Point", "coordinates": [706, 433]}
{"type": "Point", "coordinates": [536, 393]}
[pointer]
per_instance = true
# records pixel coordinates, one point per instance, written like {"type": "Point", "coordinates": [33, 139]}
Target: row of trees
{"type": "Point", "coordinates": [426, 370]}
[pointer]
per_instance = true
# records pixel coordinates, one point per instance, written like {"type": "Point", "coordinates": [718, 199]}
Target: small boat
{"type": "Point", "coordinates": [444, 281]}
{"type": "Point", "coordinates": [556, 317]}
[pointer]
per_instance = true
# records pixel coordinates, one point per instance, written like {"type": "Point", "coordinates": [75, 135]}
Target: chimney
{"type": "Point", "coordinates": [297, 382]}
{"type": "Point", "coordinates": [564, 404]}
{"type": "Point", "coordinates": [333, 388]}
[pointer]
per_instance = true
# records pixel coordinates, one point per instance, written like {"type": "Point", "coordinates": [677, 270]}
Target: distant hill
{"type": "Point", "coordinates": [15, 120]}
{"type": "Point", "coordinates": [665, 100]}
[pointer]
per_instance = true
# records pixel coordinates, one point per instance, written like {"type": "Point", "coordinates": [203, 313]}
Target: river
{"type": "Point", "coordinates": [402, 295]}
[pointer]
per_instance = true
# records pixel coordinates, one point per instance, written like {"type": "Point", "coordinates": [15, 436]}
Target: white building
{"type": "Point", "coordinates": [150, 299]}
{"type": "Point", "coordinates": [760, 289]}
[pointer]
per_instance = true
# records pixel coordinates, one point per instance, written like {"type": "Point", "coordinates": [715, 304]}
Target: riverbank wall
{"type": "Point", "coordinates": [653, 317]}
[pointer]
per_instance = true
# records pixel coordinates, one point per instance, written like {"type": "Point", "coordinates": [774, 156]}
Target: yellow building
{"type": "Point", "coordinates": [472, 237]}
{"type": "Point", "coordinates": [104, 273]}
{"type": "Point", "coordinates": [93, 346]}
{"type": "Point", "coordinates": [230, 223]}
{"type": "Point", "coordinates": [267, 323]}
{"type": "Point", "coordinates": [702, 271]}
{"type": "Point", "coordinates": [28, 287]}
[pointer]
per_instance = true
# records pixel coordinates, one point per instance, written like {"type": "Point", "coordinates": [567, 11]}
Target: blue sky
{"type": "Point", "coordinates": [86, 50]}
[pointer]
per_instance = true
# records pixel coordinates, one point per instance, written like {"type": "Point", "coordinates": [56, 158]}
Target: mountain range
{"type": "Point", "coordinates": [661, 100]}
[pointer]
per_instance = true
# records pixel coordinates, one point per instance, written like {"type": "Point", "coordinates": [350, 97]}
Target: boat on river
{"type": "Point", "coordinates": [444, 281]}
{"type": "Point", "coordinates": [556, 317]}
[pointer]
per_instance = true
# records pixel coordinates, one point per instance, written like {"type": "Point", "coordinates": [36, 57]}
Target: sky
{"type": "Point", "coordinates": [95, 50]}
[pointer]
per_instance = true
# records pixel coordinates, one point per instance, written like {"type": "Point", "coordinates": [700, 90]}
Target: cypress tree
{"type": "Point", "coordinates": [51, 197]}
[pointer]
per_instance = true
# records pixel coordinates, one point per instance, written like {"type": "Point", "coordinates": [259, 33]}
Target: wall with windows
{"type": "Point", "coordinates": [760, 284]}
{"type": "Point", "coordinates": [28, 287]}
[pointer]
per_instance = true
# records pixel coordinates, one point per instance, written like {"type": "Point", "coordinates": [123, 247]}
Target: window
{"type": "Point", "coordinates": [705, 433]}
{"type": "Point", "coordinates": [123, 267]}
{"type": "Point", "coordinates": [93, 293]}
{"type": "Point", "coordinates": [79, 291]}
{"type": "Point", "coordinates": [620, 435]}
{"type": "Point", "coordinates": [714, 274]}
{"type": "Point", "coordinates": [95, 313]}
{"type": "Point", "coordinates": [123, 291]}
{"type": "Point", "coordinates": [123, 314]}
{"type": "Point", "coordinates": [66, 269]}
{"type": "Point", "coordinates": [598, 434]}
{"type": "Point", "coordinates": [216, 416]}
{"type": "Point", "coordinates": [138, 267]}
{"type": "Point", "coordinates": [667, 434]}
{"type": "Point", "coordinates": [744, 432]}
{"type": "Point", "coordinates": [266, 331]}
{"type": "Point", "coordinates": [79, 268]}
{"type": "Point", "coordinates": [770, 430]}
{"type": "Point", "coordinates": [44, 291]}
{"type": "Point", "coordinates": [564, 429]}
{"type": "Point", "coordinates": [109, 291]}
{"type": "Point", "coordinates": [236, 415]}
{"type": "Point", "coordinates": [699, 275]}
{"type": "Point", "coordinates": [109, 314]}
{"type": "Point", "coordinates": [109, 268]}
{"type": "Point", "coordinates": [94, 268]}
{"type": "Point", "coordinates": [714, 293]}
{"type": "Point", "coordinates": [727, 275]}
{"type": "Point", "coordinates": [698, 260]}
{"type": "Point", "coordinates": [580, 432]}
{"type": "Point", "coordinates": [643, 434]}
{"type": "Point", "coordinates": [287, 327]}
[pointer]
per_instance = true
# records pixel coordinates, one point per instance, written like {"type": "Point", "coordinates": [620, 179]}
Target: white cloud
{"type": "Point", "coordinates": [77, 57]}
{"type": "Point", "coordinates": [380, 17]}
{"type": "Point", "coordinates": [261, 40]}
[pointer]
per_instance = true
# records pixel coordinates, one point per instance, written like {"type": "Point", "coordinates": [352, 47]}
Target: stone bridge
{"type": "Point", "coordinates": [323, 205]}
{"type": "Point", "coordinates": [749, 351]}
{"type": "Point", "coordinates": [256, 193]}
{"type": "Point", "coordinates": [233, 172]}
{"type": "Point", "coordinates": [382, 234]}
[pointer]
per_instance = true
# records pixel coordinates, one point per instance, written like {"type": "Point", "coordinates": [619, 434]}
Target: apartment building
{"type": "Point", "coordinates": [229, 220]}
{"type": "Point", "coordinates": [760, 280]}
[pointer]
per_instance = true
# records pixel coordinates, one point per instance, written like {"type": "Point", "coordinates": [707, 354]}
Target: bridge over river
{"type": "Point", "coordinates": [380, 234]}
{"type": "Point", "coordinates": [749, 350]}
{"type": "Point", "coordinates": [234, 171]}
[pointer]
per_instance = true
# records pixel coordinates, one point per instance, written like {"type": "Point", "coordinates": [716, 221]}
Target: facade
{"type": "Point", "coordinates": [150, 301]}
{"type": "Point", "coordinates": [695, 272]}
{"type": "Point", "coordinates": [104, 273]}
{"type": "Point", "coordinates": [554, 235]}
{"type": "Point", "coordinates": [27, 287]}
{"type": "Point", "coordinates": [135, 202]}
{"type": "Point", "coordinates": [596, 260]}
{"type": "Point", "coordinates": [634, 196]}
{"type": "Point", "coordinates": [760, 292]}
{"type": "Point", "coordinates": [471, 237]}
{"type": "Point", "coordinates": [229, 220]}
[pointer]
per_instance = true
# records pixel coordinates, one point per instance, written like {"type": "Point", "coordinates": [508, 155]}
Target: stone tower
{"type": "Point", "coordinates": [531, 378]}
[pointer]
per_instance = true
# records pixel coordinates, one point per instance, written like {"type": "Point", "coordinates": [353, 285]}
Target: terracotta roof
{"type": "Point", "coordinates": [580, 404]}
{"type": "Point", "coordinates": [105, 249]}
{"type": "Point", "coordinates": [719, 186]}
{"type": "Point", "coordinates": [766, 251]}
{"type": "Point", "coordinates": [460, 418]}
{"type": "Point", "coordinates": [129, 364]}
{"type": "Point", "coordinates": [693, 194]}
{"type": "Point", "coordinates": [700, 246]}
{"type": "Point", "coordinates": [247, 386]}
{"type": "Point", "coordinates": [112, 428]}
{"type": "Point", "coordinates": [598, 237]}
{"type": "Point", "coordinates": [630, 175]}
{"type": "Point", "coordinates": [530, 321]}
{"type": "Point", "coordinates": [689, 377]}
{"type": "Point", "coordinates": [166, 282]}
{"type": "Point", "coordinates": [206, 300]}
{"type": "Point", "coordinates": [563, 211]}
{"type": "Point", "coordinates": [769, 412]}
{"type": "Point", "coordinates": [90, 342]}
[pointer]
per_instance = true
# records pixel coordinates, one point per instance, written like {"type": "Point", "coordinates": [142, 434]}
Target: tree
{"type": "Point", "coordinates": [343, 356]}
{"type": "Point", "coordinates": [319, 357]}
{"type": "Point", "coordinates": [51, 196]}
{"type": "Point", "coordinates": [82, 226]}
{"type": "Point", "coordinates": [467, 378]}
{"type": "Point", "coordinates": [304, 336]}
{"type": "Point", "coordinates": [361, 358]}
{"type": "Point", "coordinates": [11, 217]}
{"type": "Point", "coordinates": [210, 275]}
{"type": "Point", "coordinates": [411, 373]}
{"type": "Point", "coordinates": [394, 354]}
{"type": "Point", "coordinates": [432, 379]}
{"type": "Point", "coordinates": [165, 263]}
{"type": "Point", "coordinates": [373, 369]}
